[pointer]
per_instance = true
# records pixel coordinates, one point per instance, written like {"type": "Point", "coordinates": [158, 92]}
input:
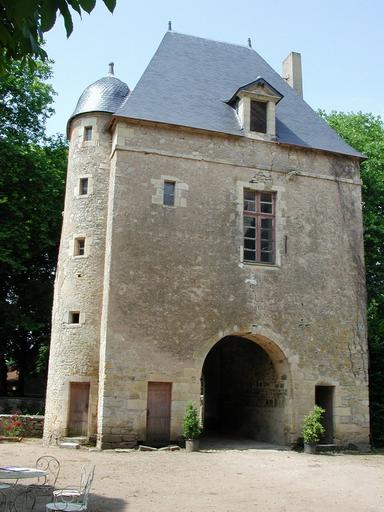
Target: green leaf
{"type": "Point", "coordinates": [87, 5]}
{"type": "Point", "coordinates": [110, 4]}
{"type": "Point", "coordinates": [48, 15]}
{"type": "Point", "coordinates": [64, 11]}
{"type": "Point", "coordinates": [75, 5]}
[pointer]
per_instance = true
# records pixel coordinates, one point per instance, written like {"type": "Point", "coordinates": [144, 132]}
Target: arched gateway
{"type": "Point", "coordinates": [246, 389]}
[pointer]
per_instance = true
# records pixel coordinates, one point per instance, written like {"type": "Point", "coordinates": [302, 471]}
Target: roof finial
{"type": "Point", "coordinates": [170, 25]}
{"type": "Point", "coordinates": [249, 42]}
{"type": "Point", "coordinates": [111, 70]}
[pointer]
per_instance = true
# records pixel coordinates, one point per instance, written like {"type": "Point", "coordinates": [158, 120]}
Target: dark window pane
{"type": "Point", "coordinates": [266, 234]}
{"type": "Point", "coordinates": [169, 193]}
{"type": "Point", "coordinates": [249, 255]}
{"type": "Point", "coordinates": [83, 186]}
{"type": "Point", "coordinates": [249, 233]}
{"type": "Point", "coordinates": [266, 223]}
{"type": "Point", "coordinates": [249, 200]}
{"type": "Point", "coordinates": [249, 221]}
{"type": "Point", "coordinates": [266, 246]}
{"type": "Point", "coordinates": [250, 243]}
{"type": "Point", "coordinates": [266, 257]}
{"type": "Point", "coordinates": [258, 116]}
{"type": "Point", "coordinates": [249, 194]}
{"type": "Point", "coordinates": [87, 132]}
{"type": "Point", "coordinates": [74, 317]}
{"type": "Point", "coordinates": [266, 197]}
{"type": "Point", "coordinates": [266, 207]}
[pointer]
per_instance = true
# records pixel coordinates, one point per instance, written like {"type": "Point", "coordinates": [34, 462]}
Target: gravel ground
{"type": "Point", "coordinates": [222, 480]}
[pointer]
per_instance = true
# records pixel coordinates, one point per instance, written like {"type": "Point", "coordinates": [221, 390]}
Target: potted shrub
{"type": "Point", "coordinates": [191, 428]}
{"type": "Point", "coordinates": [313, 429]}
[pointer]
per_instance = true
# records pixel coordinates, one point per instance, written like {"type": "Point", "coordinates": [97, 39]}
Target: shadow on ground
{"type": "Point", "coordinates": [219, 442]}
{"type": "Point", "coordinates": [97, 503]}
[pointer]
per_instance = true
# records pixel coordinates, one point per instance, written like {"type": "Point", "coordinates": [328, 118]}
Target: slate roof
{"type": "Point", "coordinates": [104, 95]}
{"type": "Point", "coordinates": [190, 79]}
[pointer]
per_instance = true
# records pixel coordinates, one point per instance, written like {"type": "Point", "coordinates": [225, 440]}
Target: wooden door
{"type": "Point", "coordinates": [78, 409]}
{"type": "Point", "coordinates": [159, 413]}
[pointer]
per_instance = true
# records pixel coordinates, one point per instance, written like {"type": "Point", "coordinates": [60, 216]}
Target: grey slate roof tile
{"type": "Point", "coordinates": [104, 95]}
{"type": "Point", "coordinates": [189, 80]}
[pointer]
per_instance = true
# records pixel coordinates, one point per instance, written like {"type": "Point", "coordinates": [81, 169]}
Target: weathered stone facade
{"type": "Point", "coordinates": [159, 287]}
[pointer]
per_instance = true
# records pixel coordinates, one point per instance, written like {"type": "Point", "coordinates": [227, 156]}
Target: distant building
{"type": "Point", "coordinates": [211, 250]}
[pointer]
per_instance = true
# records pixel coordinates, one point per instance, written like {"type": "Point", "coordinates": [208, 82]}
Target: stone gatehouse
{"type": "Point", "coordinates": [211, 251]}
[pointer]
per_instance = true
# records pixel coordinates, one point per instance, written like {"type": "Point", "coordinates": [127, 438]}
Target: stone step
{"type": "Point", "coordinates": [327, 448]}
{"type": "Point", "coordinates": [81, 440]}
{"type": "Point", "coordinates": [73, 446]}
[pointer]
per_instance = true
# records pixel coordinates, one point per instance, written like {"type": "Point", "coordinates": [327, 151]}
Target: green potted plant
{"type": "Point", "coordinates": [313, 429]}
{"type": "Point", "coordinates": [191, 428]}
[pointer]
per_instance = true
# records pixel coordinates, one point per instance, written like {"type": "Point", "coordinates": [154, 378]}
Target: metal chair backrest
{"type": "Point", "coordinates": [52, 466]}
{"type": "Point", "coordinates": [65, 499]}
{"type": "Point", "coordinates": [3, 501]}
{"type": "Point", "coordinates": [88, 483]}
{"type": "Point", "coordinates": [23, 501]}
{"type": "Point", "coordinates": [86, 474]}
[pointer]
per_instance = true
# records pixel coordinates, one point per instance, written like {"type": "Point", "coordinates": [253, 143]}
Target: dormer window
{"type": "Point", "coordinates": [258, 121]}
{"type": "Point", "coordinates": [255, 105]}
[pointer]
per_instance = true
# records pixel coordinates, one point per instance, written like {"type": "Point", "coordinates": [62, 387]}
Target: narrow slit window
{"type": "Point", "coordinates": [79, 246]}
{"type": "Point", "coordinates": [83, 186]}
{"type": "Point", "coordinates": [259, 226]}
{"type": "Point", "coordinates": [87, 133]}
{"type": "Point", "coordinates": [258, 116]}
{"type": "Point", "coordinates": [169, 193]}
{"type": "Point", "coordinates": [74, 317]}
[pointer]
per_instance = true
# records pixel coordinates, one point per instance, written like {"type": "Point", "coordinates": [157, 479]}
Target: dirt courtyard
{"type": "Point", "coordinates": [222, 480]}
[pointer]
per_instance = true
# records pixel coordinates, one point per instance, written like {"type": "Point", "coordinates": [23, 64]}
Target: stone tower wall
{"type": "Point", "coordinates": [74, 355]}
{"type": "Point", "coordinates": [176, 284]}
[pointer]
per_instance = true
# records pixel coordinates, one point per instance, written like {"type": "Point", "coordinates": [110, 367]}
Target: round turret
{"type": "Point", "coordinates": [76, 322]}
{"type": "Point", "coordinates": [104, 95]}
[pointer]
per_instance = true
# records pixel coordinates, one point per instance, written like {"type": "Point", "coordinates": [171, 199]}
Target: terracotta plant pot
{"type": "Point", "coordinates": [310, 447]}
{"type": "Point", "coordinates": [192, 445]}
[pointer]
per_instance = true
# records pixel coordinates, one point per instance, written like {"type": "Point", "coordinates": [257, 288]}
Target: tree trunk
{"type": "Point", "coordinates": [3, 376]}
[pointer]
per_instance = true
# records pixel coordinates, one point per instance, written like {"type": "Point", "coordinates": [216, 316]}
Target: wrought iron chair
{"type": "Point", "coordinates": [46, 484]}
{"type": "Point", "coordinates": [22, 501]}
{"type": "Point", "coordinates": [3, 501]}
{"type": "Point", "coordinates": [73, 498]}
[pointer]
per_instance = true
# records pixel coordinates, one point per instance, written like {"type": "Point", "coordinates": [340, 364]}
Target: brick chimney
{"type": "Point", "coordinates": [292, 72]}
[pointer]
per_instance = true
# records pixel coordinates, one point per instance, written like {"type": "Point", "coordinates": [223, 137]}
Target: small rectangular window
{"type": "Point", "coordinates": [87, 132]}
{"type": "Point", "coordinates": [169, 193]}
{"type": "Point", "coordinates": [83, 186]}
{"type": "Point", "coordinates": [259, 226]}
{"type": "Point", "coordinates": [79, 249]}
{"type": "Point", "coordinates": [74, 317]}
{"type": "Point", "coordinates": [258, 116]}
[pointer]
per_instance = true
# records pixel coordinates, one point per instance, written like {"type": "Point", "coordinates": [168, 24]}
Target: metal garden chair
{"type": "Point", "coordinates": [22, 501]}
{"type": "Point", "coordinates": [73, 498]}
{"type": "Point", "coordinates": [45, 484]}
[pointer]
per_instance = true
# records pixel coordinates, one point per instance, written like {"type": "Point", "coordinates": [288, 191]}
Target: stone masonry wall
{"type": "Point", "coordinates": [74, 353]}
{"type": "Point", "coordinates": [176, 283]}
{"type": "Point", "coordinates": [33, 425]}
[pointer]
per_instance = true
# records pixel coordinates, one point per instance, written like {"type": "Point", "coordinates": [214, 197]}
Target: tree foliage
{"type": "Point", "coordinates": [23, 23]}
{"type": "Point", "coordinates": [32, 171]}
{"type": "Point", "coordinates": [365, 133]}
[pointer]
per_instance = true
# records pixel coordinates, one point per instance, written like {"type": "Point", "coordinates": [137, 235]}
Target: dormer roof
{"type": "Point", "coordinates": [188, 83]}
{"type": "Point", "coordinates": [258, 86]}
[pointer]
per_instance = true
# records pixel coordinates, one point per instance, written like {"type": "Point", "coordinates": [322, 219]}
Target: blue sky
{"type": "Point", "coordinates": [341, 43]}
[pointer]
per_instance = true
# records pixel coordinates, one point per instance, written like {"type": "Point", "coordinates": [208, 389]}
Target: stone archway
{"type": "Point", "coordinates": [245, 389]}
